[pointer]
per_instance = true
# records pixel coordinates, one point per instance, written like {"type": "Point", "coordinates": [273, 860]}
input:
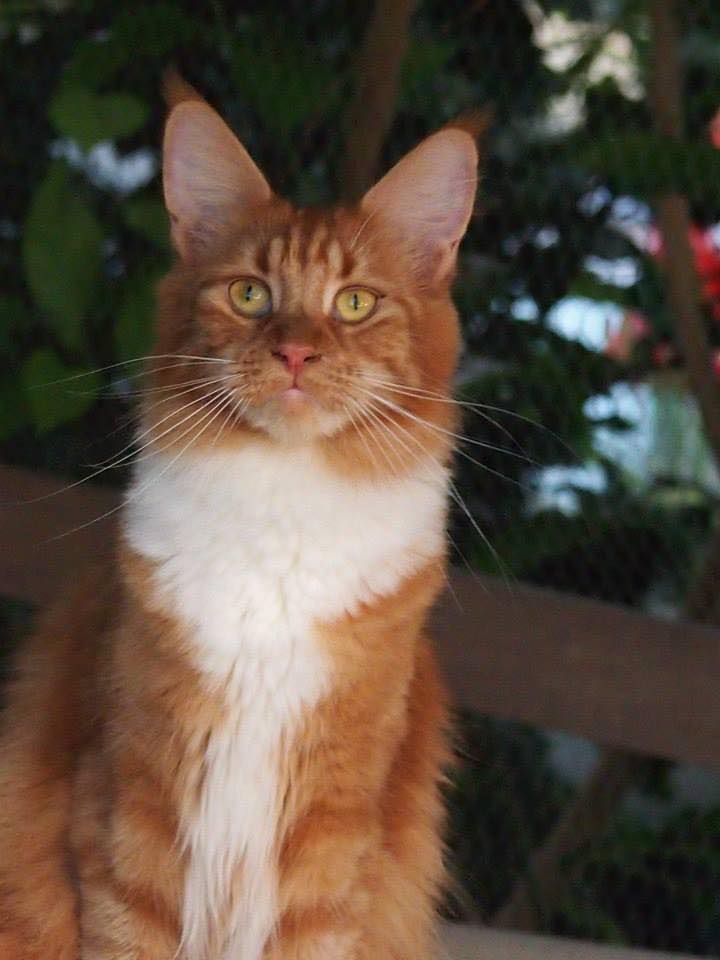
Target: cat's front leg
{"type": "Point", "coordinates": [326, 884]}
{"type": "Point", "coordinates": [127, 866]}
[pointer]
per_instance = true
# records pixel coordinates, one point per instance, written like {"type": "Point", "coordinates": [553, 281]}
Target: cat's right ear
{"type": "Point", "coordinates": [209, 178]}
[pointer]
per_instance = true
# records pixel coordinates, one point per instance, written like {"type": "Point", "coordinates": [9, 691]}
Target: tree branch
{"type": "Point", "coordinates": [372, 108]}
{"type": "Point", "coordinates": [674, 221]}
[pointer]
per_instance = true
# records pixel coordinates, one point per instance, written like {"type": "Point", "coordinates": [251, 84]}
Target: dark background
{"type": "Point", "coordinates": [592, 473]}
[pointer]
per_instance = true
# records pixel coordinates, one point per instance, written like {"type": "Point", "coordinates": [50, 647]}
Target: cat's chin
{"type": "Point", "coordinates": [293, 416]}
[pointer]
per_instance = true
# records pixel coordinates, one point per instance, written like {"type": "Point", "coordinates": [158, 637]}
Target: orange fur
{"type": "Point", "coordinates": [105, 734]}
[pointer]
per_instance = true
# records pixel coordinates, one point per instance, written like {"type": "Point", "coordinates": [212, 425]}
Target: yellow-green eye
{"type": "Point", "coordinates": [250, 297]}
{"type": "Point", "coordinates": [355, 303]}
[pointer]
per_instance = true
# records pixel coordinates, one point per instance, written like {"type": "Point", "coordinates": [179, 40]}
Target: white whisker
{"type": "Point", "coordinates": [230, 402]}
{"type": "Point", "coordinates": [457, 436]}
{"type": "Point", "coordinates": [128, 498]}
{"type": "Point", "coordinates": [455, 494]}
{"type": "Point", "coordinates": [358, 427]}
{"type": "Point", "coordinates": [116, 462]}
{"type": "Point", "coordinates": [152, 406]}
{"type": "Point", "coordinates": [479, 408]}
{"type": "Point", "coordinates": [424, 464]}
{"type": "Point", "coordinates": [122, 363]}
{"type": "Point", "coordinates": [421, 394]}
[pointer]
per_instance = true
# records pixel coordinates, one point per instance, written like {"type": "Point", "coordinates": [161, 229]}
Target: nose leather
{"type": "Point", "coordinates": [295, 355]}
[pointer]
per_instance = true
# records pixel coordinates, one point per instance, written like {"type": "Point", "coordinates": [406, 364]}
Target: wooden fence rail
{"type": "Point", "coordinates": [612, 675]}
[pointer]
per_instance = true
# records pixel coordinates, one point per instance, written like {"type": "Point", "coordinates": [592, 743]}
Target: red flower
{"type": "Point", "coordinates": [663, 354]}
{"type": "Point", "coordinates": [633, 328]}
{"type": "Point", "coordinates": [714, 130]}
{"type": "Point", "coordinates": [707, 264]}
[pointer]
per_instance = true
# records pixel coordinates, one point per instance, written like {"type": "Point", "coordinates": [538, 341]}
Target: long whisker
{"type": "Point", "coordinates": [133, 495]}
{"type": "Point", "coordinates": [477, 463]}
{"type": "Point", "coordinates": [449, 433]}
{"type": "Point", "coordinates": [429, 461]}
{"type": "Point", "coordinates": [125, 395]}
{"type": "Point", "coordinates": [418, 393]}
{"type": "Point", "coordinates": [478, 408]}
{"type": "Point", "coordinates": [116, 462]}
{"type": "Point", "coordinates": [164, 400]}
{"type": "Point", "coordinates": [455, 494]}
{"type": "Point", "coordinates": [230, 402]}
{"type": "Point", "coordinates": [380, 441]}
{"type": "Point", "coordinates": [361, 433]}
{"type": "Point", "coordinates": [168, 388]}
{"type": "Point", "coordinates": [424, 463]}
{"type": "Point", "coordinates": [412, 392]}
{"type": "Point", "coordinates": [122, 363]}
{"type": "Point", "coordinates": [151, 444]}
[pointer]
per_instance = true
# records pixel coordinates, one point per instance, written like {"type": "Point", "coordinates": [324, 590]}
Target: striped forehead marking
{"type": "Point", "coordinates": [335, 257]}
{"type": "Point", "coordinates": [307, 263]}
{"type": "Point", "coordinates": [275, 251]}
{"type": "Point", "coordinates": [314, 246]}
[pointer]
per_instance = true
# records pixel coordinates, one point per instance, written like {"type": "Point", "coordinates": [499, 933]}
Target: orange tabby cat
{"type": "Point", "coordinates": [229, 746]}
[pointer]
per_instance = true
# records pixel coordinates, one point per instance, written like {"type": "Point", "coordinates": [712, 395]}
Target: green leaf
{"type": "Point", "coordinates": [273, 72]}
{"type": "Point", "coordinates": [51, 403]}
{"type": "Point", "coordinates": [134, 327]}
{"type": "Point", "coordinates": [588, 286]}
{"type": "Point", "coordinates": [425, 60]}
{"type": "Point", "coordinates": [13, 319]}
{"type": "Point", "coordinates": [62, 254]}
{"type": "Point", "coordinates": [13, 408]}
{"type": "Point", "coordinates": [645, 164]}
{"type": "Point", "coordinates": [138, 32]}
{"type": "Point", "coordinates": [147, 215]}
{"type": "Point", "coordinates": [88, 117]}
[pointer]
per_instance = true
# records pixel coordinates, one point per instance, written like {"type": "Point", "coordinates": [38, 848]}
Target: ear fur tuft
{"type": "Point", "coordinates": [176, 89]}
{"type": "Point", "coordinates": [209, 179]}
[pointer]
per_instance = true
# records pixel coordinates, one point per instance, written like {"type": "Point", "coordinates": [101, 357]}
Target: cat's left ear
{"type": "Point", "coordinates": [427, 199]}
{"type": "Point", "coordinates": [209, 178]}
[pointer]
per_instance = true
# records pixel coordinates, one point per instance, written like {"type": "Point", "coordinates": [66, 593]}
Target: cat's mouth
{"type": "Point", "coordinates": [294, 412]}
{"type": "Point", "coordinates": [294, 396]}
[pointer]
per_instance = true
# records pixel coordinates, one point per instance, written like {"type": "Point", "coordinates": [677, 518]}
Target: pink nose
{"type": "Point", "coordinates": [295, 355]}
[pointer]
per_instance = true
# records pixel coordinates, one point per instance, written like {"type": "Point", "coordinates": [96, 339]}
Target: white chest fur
{"type": "Point", "coordinates": [252, 549]}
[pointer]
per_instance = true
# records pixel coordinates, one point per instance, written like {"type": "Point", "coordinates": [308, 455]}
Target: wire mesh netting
{"type": "Point", "coordinates": [586, 467]}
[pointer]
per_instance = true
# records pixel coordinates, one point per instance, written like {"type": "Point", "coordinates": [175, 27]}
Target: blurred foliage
{"type": "Point", "coordinates": [83, 241]}
{"type": "Point", "coordinates": [656, 885]}
{"type": "Point", "coordinates": [504, 801]}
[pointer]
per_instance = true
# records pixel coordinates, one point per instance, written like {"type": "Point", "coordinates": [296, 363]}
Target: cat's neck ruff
{"type": "Point", "coordinates": [250, 550]}
{"type": "Point", "coordinates": [268, 531]}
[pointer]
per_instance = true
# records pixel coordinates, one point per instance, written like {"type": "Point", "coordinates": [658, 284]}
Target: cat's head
{"type": "Point", "coordinates": [332, 327]}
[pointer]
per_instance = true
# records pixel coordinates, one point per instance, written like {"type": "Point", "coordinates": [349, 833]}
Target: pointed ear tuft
{"type": "Point", "coordinates": [209, 178]}
{"type": "Point", "coordinates": [175, 89]}
{"type": "Point", "coordinates": [427, 199]}
{"type": "Point", "coordinates": [475, 122]}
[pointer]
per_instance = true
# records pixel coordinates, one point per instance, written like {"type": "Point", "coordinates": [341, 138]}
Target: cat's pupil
{"type": "Point", "coordinates": [355, 301]}
{"type": "Point", "coordinates": [248, 292]}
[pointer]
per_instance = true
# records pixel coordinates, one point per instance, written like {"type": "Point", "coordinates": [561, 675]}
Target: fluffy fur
{"type": "Point", "coordinates": [229, 744]}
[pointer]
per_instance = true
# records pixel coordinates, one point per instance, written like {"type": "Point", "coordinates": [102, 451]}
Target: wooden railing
{"type": "Point", "coordinates": [617, 677]}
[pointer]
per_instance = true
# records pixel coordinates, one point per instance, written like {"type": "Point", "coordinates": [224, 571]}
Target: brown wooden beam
{"type": "Point", "coordinates": [38, 551]}
{"type": "Point", "coordinates": [613, 675]}
{"type": "Point", "coordinates": [463, 942]}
